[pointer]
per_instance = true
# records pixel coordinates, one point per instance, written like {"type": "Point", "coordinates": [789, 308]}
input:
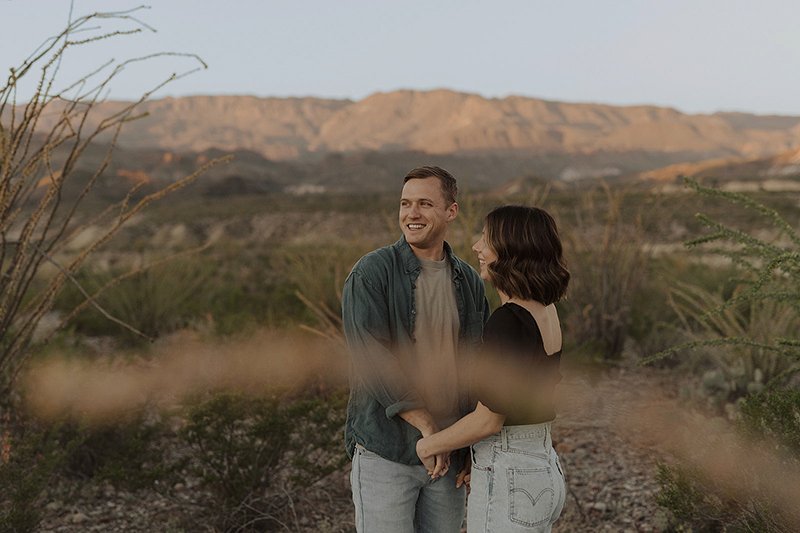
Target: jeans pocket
{"type": "Point", "coordinates": [531, 496]}
{"type": "Point", "coordinates": [480, 454]}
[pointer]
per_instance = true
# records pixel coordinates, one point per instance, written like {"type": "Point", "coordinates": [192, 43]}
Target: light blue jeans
{"type": "Point", "coordinates": [395, 498]}
{"type": "Point", "coordinates": [517, 483]}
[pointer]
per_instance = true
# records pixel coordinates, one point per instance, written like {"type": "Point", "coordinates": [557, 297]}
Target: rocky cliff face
{"type": "Point", "coordinates": [447, 122]}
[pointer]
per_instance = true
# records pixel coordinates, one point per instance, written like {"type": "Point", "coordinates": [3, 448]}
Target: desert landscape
{"type": "Point", "coordinates": [172, 356]}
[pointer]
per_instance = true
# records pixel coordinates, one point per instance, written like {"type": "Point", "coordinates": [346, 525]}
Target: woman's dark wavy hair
{"type": "Point", "coordinates": [530, 263]}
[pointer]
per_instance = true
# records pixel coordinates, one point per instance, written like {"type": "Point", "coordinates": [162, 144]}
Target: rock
{"type": "Point", "coordinates": [53, 506]}
{"type": "Point", "coordinates": [109, 490]}
{"type": "Point", "coordinates": [714, 380]}
{"type": "Point", "coordinates": [78, 518]}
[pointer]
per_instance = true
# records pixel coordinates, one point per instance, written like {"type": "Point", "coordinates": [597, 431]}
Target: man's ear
{"type": "Point", "coordinates": [452, 212]}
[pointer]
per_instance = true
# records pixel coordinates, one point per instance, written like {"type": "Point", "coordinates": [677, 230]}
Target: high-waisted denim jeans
{"type": "Point", "coordinates": [391, 497]}
{"type": "Point", "coordinates": [517, 483]}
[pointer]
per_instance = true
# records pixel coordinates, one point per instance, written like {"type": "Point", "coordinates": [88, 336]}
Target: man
{"type": "Point", "coordinates": [411, 311]}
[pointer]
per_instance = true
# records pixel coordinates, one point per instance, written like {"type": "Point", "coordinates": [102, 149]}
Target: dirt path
{"type": "Point", "coordinates": [611, 481]}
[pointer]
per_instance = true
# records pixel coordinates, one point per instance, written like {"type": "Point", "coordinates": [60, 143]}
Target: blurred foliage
{"type": "Point", "coordinates": [771, 418]}
{"type": "Point", "coordinates": [696, 506]}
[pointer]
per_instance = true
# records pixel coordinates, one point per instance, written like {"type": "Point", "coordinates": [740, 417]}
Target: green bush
{"type": "Point", "coordinates": [774, 414]}
{"type": "Point", "coordinates": [155, 301]}
{"type": "Point", "coordinates": [255, 454]}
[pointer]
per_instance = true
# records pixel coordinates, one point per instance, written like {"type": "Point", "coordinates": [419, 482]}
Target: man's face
{"type": "Point", "coordinates": [424, 214]}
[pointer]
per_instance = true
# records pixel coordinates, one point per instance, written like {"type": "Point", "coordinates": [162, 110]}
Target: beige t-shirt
{"type": "Point", "coordinates": [436, 332]}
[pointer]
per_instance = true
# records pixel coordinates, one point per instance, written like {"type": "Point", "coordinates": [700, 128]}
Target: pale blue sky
{"type": "Point", "coordinates": [694, 55]}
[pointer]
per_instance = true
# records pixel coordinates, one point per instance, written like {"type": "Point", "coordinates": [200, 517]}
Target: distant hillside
{"type": "Point", "coordinates": [447, 122]}
{"type": "Point", "coordinates": [777, 173]}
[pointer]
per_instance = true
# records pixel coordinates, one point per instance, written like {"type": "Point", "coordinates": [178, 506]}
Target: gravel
{"type": "Point", "coordinates": [611, 481]}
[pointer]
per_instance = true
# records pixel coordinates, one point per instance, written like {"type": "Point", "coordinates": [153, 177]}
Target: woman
{"type": "Point", "coordinates": [516, 480]}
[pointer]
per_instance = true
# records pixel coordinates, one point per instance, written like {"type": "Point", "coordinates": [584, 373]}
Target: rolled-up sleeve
{"type": "Point", "coordinates": [365, 316]}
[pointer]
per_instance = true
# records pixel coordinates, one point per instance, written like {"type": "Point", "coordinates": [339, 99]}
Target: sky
{"type": "Point", "coordinates": [698, 56]}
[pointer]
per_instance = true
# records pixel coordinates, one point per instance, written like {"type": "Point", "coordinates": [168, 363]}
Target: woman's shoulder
{"type": "Point", "coordinates": [507, 319]}
{"type": "Point", "coordinates": [501, 315]}
{"type": "Point", "coordinates": [514, 319]}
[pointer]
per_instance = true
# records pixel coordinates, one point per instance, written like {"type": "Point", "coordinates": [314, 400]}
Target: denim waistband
{"type": "Point", "coordinates": [535, 433]}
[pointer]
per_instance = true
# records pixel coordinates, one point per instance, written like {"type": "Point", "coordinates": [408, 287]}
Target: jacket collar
{"type": "Point", "coordinates": [412, 263]}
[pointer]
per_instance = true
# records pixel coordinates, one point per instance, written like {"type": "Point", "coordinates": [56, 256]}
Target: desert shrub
{"type": "Point", "coordinates": [755, 327]}
{"type": "Point", "coordinates": [252, 291]}
{"type": "Point", "coordinates": [154, 301]}
{"type": "Point", "coordinates": [751, 332]}
{"type": "Point", "coordinates": [318, 275]}
{"type": "Point", "coordinates": [256, 454]}
{"type": "Point", "coordinates": [237, 305]}
{"type": "Point", "coordinates": [606, 253]}
{"type": "Point", "coordinates": [737, 368]}
{"type": "Point", "coordinates": [46, 199]}
{"type": "Point", "coordinates": [774, 414]}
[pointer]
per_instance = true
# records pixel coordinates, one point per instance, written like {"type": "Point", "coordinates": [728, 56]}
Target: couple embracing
{"type": "Point", "coordinates": [443, 395]}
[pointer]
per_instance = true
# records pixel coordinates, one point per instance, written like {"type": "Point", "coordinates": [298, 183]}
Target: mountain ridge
{"type": "Point", "coordinates": [443, 121]}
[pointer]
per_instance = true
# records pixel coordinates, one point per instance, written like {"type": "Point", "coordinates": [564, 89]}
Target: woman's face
{"type": "Point", "coordinates": [486, 255]}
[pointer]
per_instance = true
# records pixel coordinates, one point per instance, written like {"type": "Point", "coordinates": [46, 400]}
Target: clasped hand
{"type": "Point", "coordinates": [437, 465]}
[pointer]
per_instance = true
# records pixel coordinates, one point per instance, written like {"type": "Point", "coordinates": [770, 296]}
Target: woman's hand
{"type": "Point", "coordinates": [436, 465]}
{"type": "Point", "coordinates": [463, 477]}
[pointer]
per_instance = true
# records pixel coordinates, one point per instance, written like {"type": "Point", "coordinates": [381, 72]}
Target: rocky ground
{"type": "Point", "coordinates": [611, 481]}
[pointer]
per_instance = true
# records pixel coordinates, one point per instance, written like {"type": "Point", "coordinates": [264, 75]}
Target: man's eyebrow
{"type": "Point", "coordinates": [421, 199]}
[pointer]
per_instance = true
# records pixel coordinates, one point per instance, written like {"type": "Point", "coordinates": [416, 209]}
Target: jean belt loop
{"type": "Point", "coordinates": [548, 443]}
{"type": "Point", "coordinates": [504, 438]}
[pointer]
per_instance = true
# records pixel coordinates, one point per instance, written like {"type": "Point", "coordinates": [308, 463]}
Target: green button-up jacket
{"type": "Point", "coordinates": [378, 313]}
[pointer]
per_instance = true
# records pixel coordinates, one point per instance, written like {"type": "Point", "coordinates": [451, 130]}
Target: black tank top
{"type": "Point", "coordinates": [515, 376]}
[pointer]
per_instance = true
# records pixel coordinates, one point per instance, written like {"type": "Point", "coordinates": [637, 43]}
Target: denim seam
{"type": "Point", "coordinates": [360, 518]}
